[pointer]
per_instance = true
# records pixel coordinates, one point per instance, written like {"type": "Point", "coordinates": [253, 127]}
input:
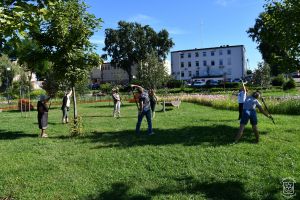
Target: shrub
{"type": "Point", "coordinates": [278, 80]}
{"type": "Point", "coordinates": [36, 93]}
{"type": "Point", "coordinates": [174, 83]}
{"type": "Point", "coordinates": [76, 127]}
{"type": "Point", "coordinates": [290, 84]}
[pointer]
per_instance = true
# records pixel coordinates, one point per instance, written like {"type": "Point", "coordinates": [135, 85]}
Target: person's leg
{"type": "Point", "coordinates": [240, 133]}
{"type": "Point", "coordinates": [253, 121]}
{"type": "Point", "coordinates": [64, 110]}
{"type": "Point", "coordinates": [115, 108]}
{"type": "Point", "coordinates": [255, 130]}
{"type": "Point", "coordinates": [118, 108]}
{"type": "Point", "coordinates": [67, 113]}
{"type": "Point", "coordinates": [149, 121]}
{"type": "Point", "coordinates": [240, 110]}
{"type": "Point", "coordinates": [139, 122]}
{"type": "Point", "coordinates": [153, 110]}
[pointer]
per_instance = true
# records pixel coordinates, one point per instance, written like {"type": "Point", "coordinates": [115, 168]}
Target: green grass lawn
{"type": "Point", "coordinates": [189, 157]}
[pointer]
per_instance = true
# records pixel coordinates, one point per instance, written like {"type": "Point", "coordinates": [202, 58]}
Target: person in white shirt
{"type": "Point", "coordinates": [249, 113]}
{"type": "Point", "coordinates": [241, 99]}
{"type": "Point", "coordinates": [66, 106]}
{"type": "Point", "coordinates": [117, 102]}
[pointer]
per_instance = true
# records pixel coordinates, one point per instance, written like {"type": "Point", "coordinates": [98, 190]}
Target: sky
{"type": "Point", "coordinates": [190, 23]}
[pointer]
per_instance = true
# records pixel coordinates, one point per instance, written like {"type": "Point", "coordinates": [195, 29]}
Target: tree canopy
{"type": "Point", "coordinates": [131, 42]}
{"type": "Point", "coordinates": [277, 32]}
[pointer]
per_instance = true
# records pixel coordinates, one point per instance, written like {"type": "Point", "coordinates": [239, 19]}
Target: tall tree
{"type": "Point", "coordinates": [65, 35]}
{"type": "Point", "coordinates": [7, 72]}
{"type": "Point", "coordinates": [130, 43]}
{"type": "Point", "coordinates": [261, 75]}
{"type": "Point", "coordinates": [151, 72]}
{"type": "Point", "coordinates": [277, 32]}
{"type": "Point", "coordinates": [18, 17]}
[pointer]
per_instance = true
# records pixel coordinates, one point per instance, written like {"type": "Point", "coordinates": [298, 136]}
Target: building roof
{"type": "Point", "coordinates": [223, 46]}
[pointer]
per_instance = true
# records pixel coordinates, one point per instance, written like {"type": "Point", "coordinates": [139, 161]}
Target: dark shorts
{"type": "Point", "coordinates": [249, 114]}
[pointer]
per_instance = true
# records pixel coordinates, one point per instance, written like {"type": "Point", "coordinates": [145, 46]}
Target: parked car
{"type": "Point", "coordinates": [237, 80]}
{"type": "Point", "coordinates": [198, 84]}
{"type": "Point", "coordinates": [212, 82]}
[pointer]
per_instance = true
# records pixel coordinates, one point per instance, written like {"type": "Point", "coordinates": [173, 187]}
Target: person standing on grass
{"type": "Point", "coordinates": [144, 109]}
{"type": "Point", "coordinates": [117, 102]}
{"type": "Point", "coordinates": [241, 99]}
{"type": "Point", "coordinates": [42, 109]}
{"type": "Point", "coordinates": [249, 112]}
{"type": "Point", "coordinates": [153, 101]}
{"type": "Point", "coordinates": [66, 106]}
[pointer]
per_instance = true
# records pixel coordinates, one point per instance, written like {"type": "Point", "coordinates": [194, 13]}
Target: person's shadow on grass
{"type": "Point", "coordinates": [226, 190]}
{"type": "Point", "coordinates": [12, 135]}
{"type": "Point", "coordinates": [193, 135]}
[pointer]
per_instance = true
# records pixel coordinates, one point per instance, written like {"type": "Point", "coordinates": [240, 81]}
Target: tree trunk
{"type": "Point", "coordinates": [74, 105]}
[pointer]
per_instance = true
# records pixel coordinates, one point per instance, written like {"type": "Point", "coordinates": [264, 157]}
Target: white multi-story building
{"type": "Point", "coordinates": [209, 63]}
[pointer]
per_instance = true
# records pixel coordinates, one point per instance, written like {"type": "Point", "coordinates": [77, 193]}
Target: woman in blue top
{"type": "Point", "coordinates": [249, 112]}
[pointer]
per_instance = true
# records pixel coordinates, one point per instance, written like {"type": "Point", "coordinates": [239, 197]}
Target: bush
{"type": "Point", "coordinates": [174, 83]}
{"type": "Point", "coordinates": [278, 80]}
{"type": "Point", "coordinates": [290, 84]}
{"type": "Point", "coordinates": [37, 93]}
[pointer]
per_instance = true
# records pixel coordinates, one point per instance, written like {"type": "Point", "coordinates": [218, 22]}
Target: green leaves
{"type": "Point", "coordinates": [277, 32]}
{"type": "Point", "coordinates": [132, 42]}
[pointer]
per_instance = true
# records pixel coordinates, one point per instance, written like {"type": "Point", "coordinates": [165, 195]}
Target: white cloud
{"type": "Point", "coordinates": [97, 41]}
{"type": "Point", "coordinates": [143, 19]}
{"type": "Point", "coordinates": [176, 31]}
{"type": "Point", "coordinates": [224, 3]}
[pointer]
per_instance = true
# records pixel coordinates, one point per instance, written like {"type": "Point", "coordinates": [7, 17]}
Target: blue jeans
{"type": "Point", "coordinates": [140, 119]}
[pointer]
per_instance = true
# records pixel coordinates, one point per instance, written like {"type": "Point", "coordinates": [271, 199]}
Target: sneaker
{"type": "Point", "coordinates": [44, 135]}
{"type": "Point", "coordinates": [152, 133]}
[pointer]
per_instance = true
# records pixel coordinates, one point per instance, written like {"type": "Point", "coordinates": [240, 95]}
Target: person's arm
{"type": "Point", "coordinates": [70, 93]}
{"type": "Point", "coordinates": [137, 86]}
{"type": "Point", "coordinates": [263, 111]}
{"type": "Point", "coordinates": [244, 88]}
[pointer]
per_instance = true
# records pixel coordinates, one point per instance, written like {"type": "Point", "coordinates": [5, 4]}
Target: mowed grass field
{"type": "Point", "coordinates": [191, 156]}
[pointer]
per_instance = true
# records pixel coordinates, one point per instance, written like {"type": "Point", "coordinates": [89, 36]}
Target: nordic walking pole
{"type": "Point", "coordinates": [262, 99]}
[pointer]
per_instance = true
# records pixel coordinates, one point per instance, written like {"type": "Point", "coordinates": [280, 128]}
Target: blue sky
{"type": "Point", "coordinates": [191, 23]}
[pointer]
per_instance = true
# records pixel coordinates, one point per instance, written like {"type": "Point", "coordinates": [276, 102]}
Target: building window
{"type": "Point", "coordinates": [220, 52]}
{"type": "Point", "coordinates": [212, 53]}
{"type": "Point", "coordinates": [229, 71]}
{"type": "Point", "coordinates": [196, 54]}
{"type": "Point", "coordinates": [190, 73]}
{"type": "Point", "coordinates": [229, 61]}
{"type": "Point", "coordinates": [212, 63]}
{"type": "Point", "coordinates": [182, 74]}
{"type": "Point", "coordinates": [182, 64]}
{"type": "Point", "coordinates": [181, 55]}
{"type": "Point", "coordinates": [189, 64]}
{"type": "Point", "coordinates": [220, 62]}
{"type": "Point", "coordinates": [197, 63]}
{"type": "Point", "coordinates": [204, 54]}
{"type": "Point", "coordinates": [189, 55]}
{"type": "Point", "coordinates": [228, 51]}
{"type": "Point", "coordinates": [197, 73]}
{"type": "Point", "coordinates": [204, 63]}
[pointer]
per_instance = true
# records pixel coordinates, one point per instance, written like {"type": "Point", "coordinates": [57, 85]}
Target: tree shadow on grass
{"type": "Point", "coordinates": [10, 135]}
{"type": "Point", "coordinates": [215, 135]}
{"type": "Point", "coordinates": [227, 190]}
